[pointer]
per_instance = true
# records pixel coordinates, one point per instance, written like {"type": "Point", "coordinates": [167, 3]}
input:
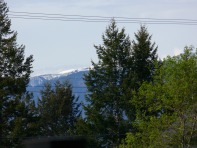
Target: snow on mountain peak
{"type": "Point", "coordinates": [67, 71]}
{"type": "Point", "coordinates": [70, 71]}
{"type": "Point", "coordinates": [40, 79]}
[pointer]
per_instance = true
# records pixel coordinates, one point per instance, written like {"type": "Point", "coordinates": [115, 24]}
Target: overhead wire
{"type": "Point", "coordinates": [101, 16]}
{"type": "Point", "coordinates": [91, 18]}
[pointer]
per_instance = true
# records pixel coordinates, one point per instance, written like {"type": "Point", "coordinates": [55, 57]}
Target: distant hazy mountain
{"type": "Point", "coordinates": [75, 77]}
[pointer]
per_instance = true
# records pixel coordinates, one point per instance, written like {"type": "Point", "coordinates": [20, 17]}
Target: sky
{"type": "Point", "coordinates": [61, 45]}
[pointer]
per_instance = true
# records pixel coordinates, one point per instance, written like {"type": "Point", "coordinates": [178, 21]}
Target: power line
{"type": "Point", "coordinates": [50, 19]}
{"type": "Point", "coordinates": [102, 21]}
{"type": "Point", "coordinates": [83, 18]}
{"type": "Point", "coordinates": [49, 14]}
{"type": "Point", "coordinates": [58, 17]}
{"type": "Point", "coordinates": [99, 21]}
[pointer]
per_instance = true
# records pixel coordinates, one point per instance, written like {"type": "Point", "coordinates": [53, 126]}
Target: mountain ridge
{"type": "Point", "coordinates": [74, 76]}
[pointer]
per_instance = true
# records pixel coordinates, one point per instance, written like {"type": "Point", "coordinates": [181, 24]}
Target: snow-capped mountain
{"type": "Point", "coordinates": [74, 76]}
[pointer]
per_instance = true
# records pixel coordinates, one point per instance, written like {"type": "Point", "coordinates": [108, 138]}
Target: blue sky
{"type": "Point", "coordinates": [58, 45]}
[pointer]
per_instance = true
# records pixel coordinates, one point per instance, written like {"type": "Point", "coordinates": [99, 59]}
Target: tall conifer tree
{"type": "Point", "coordinates": [105, 113]}
{"type": "Point", "coordinates": [15, 71]}
{"type": "Point", "coordinates": [144, 63]}
{"type": "Point", "coordinates": [144, 57]}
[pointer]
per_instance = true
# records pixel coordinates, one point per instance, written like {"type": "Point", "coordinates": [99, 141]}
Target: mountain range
{"type": "Point", "coordinates": [74, 76]}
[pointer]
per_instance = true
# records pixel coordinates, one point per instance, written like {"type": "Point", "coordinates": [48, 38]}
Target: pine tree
{"type": "Point", "coordinates": [144, 63]}
{"type": "Point", "coordinates": [15, 71]}
{"type": "Point", "coordinates": [105, 113]}
{"type": "Point", "coordinates": [144, 55]}
{"type": "Point", "coordinates": [57, 109]}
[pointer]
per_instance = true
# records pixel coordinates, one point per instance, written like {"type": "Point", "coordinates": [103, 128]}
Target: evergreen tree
{"type": "Point", "coordinates": [57, 109]}
{"type": "Point", "coordinates": [144, 56]}
{"type": "Point", "coordinates": [15, 71]}
{"type": "Point", "coordinates": [144, 61]}
{"type": "Point", "coordinates": [105, 113]}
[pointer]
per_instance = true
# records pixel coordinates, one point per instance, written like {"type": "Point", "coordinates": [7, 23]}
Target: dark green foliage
{"type": "Point", "coordinates": [144, 56]}
{"type": "Point", "coordinates": [15, 71]}
{"type": "Point", "coordinates": [105, 113]}
{"type": "Point", "coordinates": [144, 63]}
{"type": "Point", "coordinates": [58, 110]}
{"type": "Point", "coordinates": [83, 128]}
{"type": "Point", "coordinates": [121, 69]}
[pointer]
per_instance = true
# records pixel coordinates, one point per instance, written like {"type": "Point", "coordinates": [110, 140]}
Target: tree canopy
{"type": "Point", "coordinates": [132, 100]}
{"type": "Point", "coordinates": [15, 71]}
{"type": "Point", "coordinates": [105, 112]}
{"type": "Point", "coordinates": [57, 109]}
{"type": "Point", "coordinates": [111, 81]}
{"type": "Point", "coordinates": [166, 107]}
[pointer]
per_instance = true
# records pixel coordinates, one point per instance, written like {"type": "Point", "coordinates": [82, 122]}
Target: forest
{"type": "Point", "coordinates": [134, 98]}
